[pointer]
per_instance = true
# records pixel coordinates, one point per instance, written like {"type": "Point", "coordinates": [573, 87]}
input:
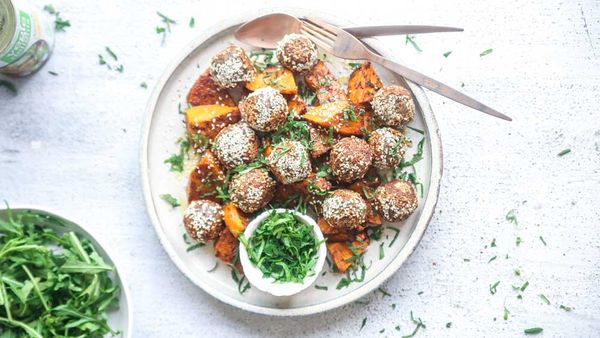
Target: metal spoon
{"type": "Point", "coordinates": [267, 30]}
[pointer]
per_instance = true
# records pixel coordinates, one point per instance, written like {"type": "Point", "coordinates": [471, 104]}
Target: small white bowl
{"type": "Point", "coordinates": [269, 285]}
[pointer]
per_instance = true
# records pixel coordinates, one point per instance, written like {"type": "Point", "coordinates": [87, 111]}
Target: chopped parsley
{"type": "Point", "coordinates": [566, 308]}
{"type": "Point", "coordinates": [543, 241]}
{"type": "Point", "coordinates": [321, 287]}
{"type": "Point", "coordinates": [564, 152]}
{"type": "Point", "coordinates": [170, 199]}
{"type": "Point", "coordinates": [411, 39]}
{"type": "Point", "coordinates": [283, 248]}
{"type": "Point", "coordinates": [102, 61]}
{"type": "Point", "coordinates": [176, 160]}
{"type": "Point", "coordinates": [524, 286]}
{"type": "Point", "coordinates": [59, 23]}
{"type": "Point", "coordinates": [396, 233]}
{"type": "Point", "coordinates": [492, 259]}
{"type": "Point", "coordinates": [493, 287]}
{"type": "Point", "coordinates": [447, 54]}
{"type": "Point", "coordinates": [545, 299]}
{"type": "Point", "coordinates": [381, 251]}
{"type": "Point", "coordinates": [506, 312]}
{"type": "Point", "coordinates": [263, 59]}
{"type": "Point", "coordinates": [518, 240]}
{"type": "Point", "coordinates": [512, 217]}
{"type": "Point", "coordinates": [486, 52]}
{"type": "Point", "coordinates": [533, 330]}
{"type": "Point", "coordinates": [144, 85]}
{"type": "Point", "coordinates": [363, 323]}
{"type": "Point", "coordinates": [166, 28]}
{"type": "Point", "coordinates": [192, 22]}
{"type": "Point", "coordinates": [308, 96]}
{"type": "Point", "coordinates": [52, 73]}
{"type": "Point", "coordinates": [111, 53]}
{"type": "Point", "coordinates": [419, 324]}
{"type": "Point", "coordinates": [353, 65]}
{"type": "Point", "coordinates": [493, 244]}
{"type": "Point", "coordinates": [355, 272]}
{"type": "Point", "coordinates": [242, 283]}
{"type": "Point", "coordinates": [384, 292]}
{"type": "Point", "coordinates": [449, 324]}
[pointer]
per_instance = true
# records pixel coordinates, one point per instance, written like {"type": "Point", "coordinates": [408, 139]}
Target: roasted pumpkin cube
{"type": "Point", "coordinates": [206, 121]}
{"type": "Point", "coordinates": [333, 234]}
{"type": "Point", "coordinates": [363, 84]}
{"type": "Point", "coordinates": [342, 255]}
{"type": "Point", "coordinates": [205, 178]}
{"type": "Point", "coordinates": [235, 220]}
{"type": "Point", "coordinates": [327, 114]}
{"type": "Point", "coordinates": [279, 78]}
{"type": "Point", "coordinates": [296, 106]}
{"type": "Point", "coordinates": [226, 246]}
{"type": "Point", "coordinates": [324, 83]}
{"type": "Point", "coordinates": [205, 92]}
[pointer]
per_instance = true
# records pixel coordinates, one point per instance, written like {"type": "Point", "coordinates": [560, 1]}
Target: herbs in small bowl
{"type": "Point", "coordinates": [282, 252]}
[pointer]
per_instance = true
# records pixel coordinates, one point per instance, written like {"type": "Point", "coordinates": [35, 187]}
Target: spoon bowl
{"type": "Point", "coordinates": [267, 30]}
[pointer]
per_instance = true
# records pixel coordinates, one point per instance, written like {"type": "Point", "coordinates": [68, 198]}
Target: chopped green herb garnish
{"type": "Point", "coordinates": [381, 251]}
{"type": "Point", "coordinates": [449, 324]}
{"type": "Point", "coordinates": [533, 330]}
{"type": "Point", "coordinates": [493, 244]}
{"type": "Point", "coordinates": [493, 288]}
{"type": "Point", "coordinates": [447, 54]}
{"type": "Point", "coordinates": [195, 246]}
{"type": "Point", "coordinates": [420, 131]}
{"type": "Point", "coordinates": [420, 293]}
{"type": "Point", "coordinates": [384, 292]}
{"type": "Point", "coordinates": [166, 29]}
{"type": "Point", "coordinates": [491, 259]}
{"type": "Point", "coordinates": [9, 86]}
{"type": "Point", "coordinates": [111, 53]}
{"type": "Point", "coordinates": [362, 324]}
{"type": "Point", "coordinates": [543, 241]}
{"type": "Point", "coordinates": [518, 240]}
{"type": "Point", "coordinates": [353, 65]}
{"type": "Point", "coordinates": [308, 96]}
{"type": "Point", "coordinates": [545, 299]}
{"type": "Point", "coordinates": [263, 59]}
{"type": "Point", "coordinates": [170, 199]}
{"type": "Point", "coordinates": [192, 22]}
{"type": "Point", "coordinates": [512, 217]}
{"type": "Point", "coordinates": [59, 23]}
{"type": "Point", "coordinates": [349, 114]}
{"type": "Point", "coordinates": [321, 287]}
{"type": "Point", "coordinates": [411, 39]}
{"type": "Point", "coordinates": [517, 272]}
{"type": "Point", "coordinates": [466, 260]}
{"type": "Point", "coordinates": [397, 232]}
{"type": "Point", "coordinates": [176, 161]}
{"type": "Point", "coordinates": [52, 73]}
{"type": "Point", "coordinates": [524, 286]}
{"type": "Point", "coordinates": [564, 152]}
{"type": "Point", "coordinates": [242, 283]}
{"type": "Point", "coordinates": [506, 312]}
{"type": "Point", "coordinates": [566, 308]}
{"type": "Point", "coordinates": [486, 52]}
{"type": "Point", "coordinates": [419, 324]}
{"type": "Point", "coordinates": [144, 85]}
{"type": "Point", "coordinates": [283, 248]}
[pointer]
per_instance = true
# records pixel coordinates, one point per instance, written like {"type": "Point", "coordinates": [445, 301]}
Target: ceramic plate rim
{"type": "Point", "coordinates": [432, 133]}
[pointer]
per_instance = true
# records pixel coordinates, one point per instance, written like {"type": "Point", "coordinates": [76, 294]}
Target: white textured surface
{"type": "Point", "coordinates": [71, 143]}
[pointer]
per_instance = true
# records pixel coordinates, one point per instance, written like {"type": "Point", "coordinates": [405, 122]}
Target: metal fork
{"type": "Point", "coordinates": [342, 44]}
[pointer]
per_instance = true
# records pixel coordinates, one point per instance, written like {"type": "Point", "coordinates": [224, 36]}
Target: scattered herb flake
{"type": "Point", "coordinates": [192, 22]}
{"type": "Point", "coordinates": [447, 54]}
{"type": "Point", "coordinates": [449, 324]}
{"type": "Point", "coordinates": [506, 312]}
{"type": "Point", "coordinates": [545, 299]}
{"type": "Point", "coordinates": [486, 52]}
{"type": "Point", "coordinates": [466, 259]}
{"type": "Point", "coordinates": [533, 330]}
{"type": "Point", "coordinates": [419, 324]}
{"type": "Point", "coordinates": [144, 85]}
{"type": "Point", "coordinates": [512, 217]}
{"type": "Point", "coordinates": [411, 39]}
{"type": "Point", "coordinates": [518, 241]}
{"type": "Point", "coordinates": [170, 199]}
{"type": "Point", "coordinates": [524, 286]}
{"type": "Point", "coordinates": [381, 251]}
{"type": "Point", "coordinates": [363, 323]}
{"type": "Point", "coordinates": [491, 259]}
{"type": "Point", "coordinates": [493, 244]}
{"type": "Point", "coordinates": [111, 53]}
{"type": "Point", "coordinates": [564, 152]}
{"type": "Point", "coordinates": [543, 241]}
{"type": "Point", "coordinates": [566, 308]}
{"type": "Point", "coordinates": [321, 287]}
{"type": "Point", "coordinates": [517, 272]}
{"type": "Point", "coordinates": [493, 287]}
{"type": "Point", "coordinates": [384, 292]}
{"type": "Point", "coordinates": [396, 233]}
{"type": "Point", "coordinates": [52, 73]}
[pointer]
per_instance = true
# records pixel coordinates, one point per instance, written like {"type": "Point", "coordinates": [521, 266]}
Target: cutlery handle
{"type": "Point", "coordinates": [436, 86]}
{"type": "Point", "coordinates": [370, 31]}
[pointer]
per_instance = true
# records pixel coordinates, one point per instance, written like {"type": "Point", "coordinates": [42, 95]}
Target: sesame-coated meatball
{"type": "Point", "coordinates": [252, 190]}
{"type": "Point", "coordinates": [388, 146]}
{"type": "Point", "coordinates": [393, 106]}
{"type": "Point", "coordinates": [350, 159]}
{"type": "Point", "coordinates": [230, 67]}
{"type": "Point", "coordinates": [203, 220]}
{"type": "Point", "coordinates": [264, 109]}
{"type": "Point", "coordinates": [289, 162]}
{"type": "Point", "coordinates": [344, 209]}
{"type": "Point", "coordinates": [297, 52]}
{"type": "Point", "coordinates": [236, 144]}
{"type": "Point", "coordinates": [395, 200]}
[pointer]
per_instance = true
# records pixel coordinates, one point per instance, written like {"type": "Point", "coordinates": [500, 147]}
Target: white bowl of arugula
{"type": "Point", "coordinates": [57, 280]}
{"type": "Point", "coordinates": [282, 252]}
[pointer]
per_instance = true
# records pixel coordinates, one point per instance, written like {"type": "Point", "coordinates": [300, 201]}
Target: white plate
{"type": "Point", "coordinates": [164, 126]}
{"type": "Point", "coordinates": [122, 319]}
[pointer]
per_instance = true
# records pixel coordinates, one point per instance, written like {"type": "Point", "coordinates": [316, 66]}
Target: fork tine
{"type": "Point", "coordinates": [323, 25]}
{"type": "Point", "coordinates": [317, 40]}
{"type": "Point", "coordinates": [320, 30]}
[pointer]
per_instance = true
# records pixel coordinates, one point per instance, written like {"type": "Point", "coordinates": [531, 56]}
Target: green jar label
{"type": "Point", "coordinates": [23, 36]}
